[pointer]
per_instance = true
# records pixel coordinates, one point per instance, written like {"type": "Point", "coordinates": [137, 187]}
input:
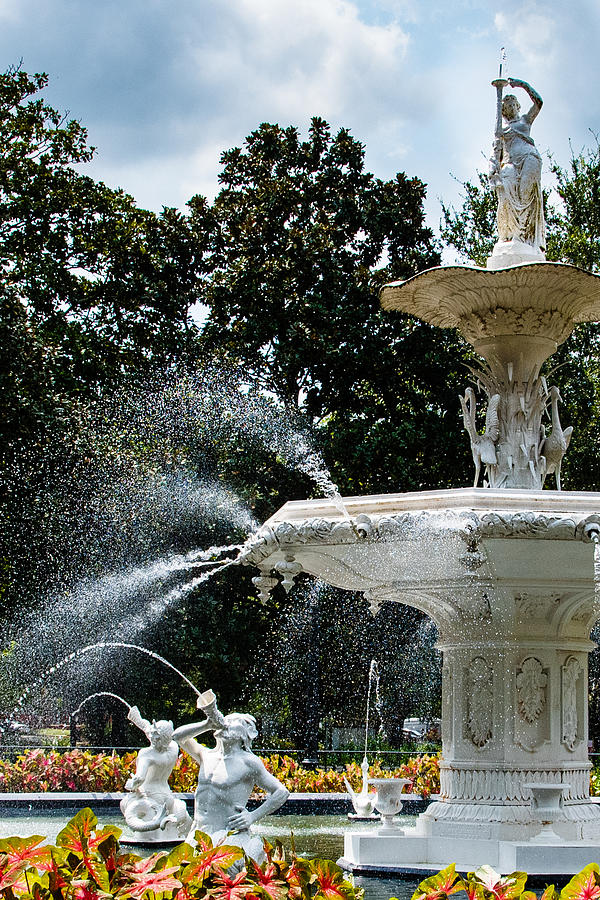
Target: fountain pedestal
{"type": "Point", "coordinates": [506, 573]}
{"type": "Point", "coordinates": [508, 578]}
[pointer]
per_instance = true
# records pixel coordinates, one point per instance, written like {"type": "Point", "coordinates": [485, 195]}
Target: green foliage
{"type": "Point", "coordinates": [80, 770]}
{"type": "Point", "coordinates": [93, 286]}
{"type": "Point", "coordinates": [575, 236]}
{"type": "Point", "coordinates": [73, 770]}
{"type": "Point", "coordinates": [486, 884]}
{"type": "Point", "coordinates": [88, 864]}
{"type": "Point", "coordinates": [305, 239]}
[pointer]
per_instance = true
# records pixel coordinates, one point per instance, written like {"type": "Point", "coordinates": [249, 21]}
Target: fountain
{"type": "Point", "coordinates": [506, 572]}
{"type": "Point", "coordinates": [364, 801]}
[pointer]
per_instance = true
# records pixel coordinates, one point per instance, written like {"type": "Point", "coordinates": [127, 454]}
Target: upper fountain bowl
{"type": "Point", "coordinates": [525, 310]}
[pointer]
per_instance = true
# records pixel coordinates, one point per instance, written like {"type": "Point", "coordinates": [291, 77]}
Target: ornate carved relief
{"type": "Point", "coordinates": [570, 718]}
{"type": "Point", "coordinates": [480, 701]}
{"type": "Point", "coordinates": [474, 607]}
{"type": "Point", "coordinates": [499, 786]}
{"type": "Point", "coordinates": [532, 607]}
{"type": "Point", "coordinates": [500, 320]}
{"type": "Point", "coordinates": [585, 613]}
{"type": "Point", "coordinates": [531, 689]}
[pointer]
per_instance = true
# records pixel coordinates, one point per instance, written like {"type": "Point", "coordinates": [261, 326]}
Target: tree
{"type": "Point", "coordinates": [93, 287]}
{"type": "Point", "coordinates": [304, 239]}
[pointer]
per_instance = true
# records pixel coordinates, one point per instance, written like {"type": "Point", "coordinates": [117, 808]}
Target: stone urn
{"type": "Point", "coordinates": [389, 801]}
{"type": "Point", "coordinates": [546, 806]}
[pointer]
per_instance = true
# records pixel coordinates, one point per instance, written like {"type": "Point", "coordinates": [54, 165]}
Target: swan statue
{"type": "Point", "coordinates": [362, 801]}
{"type": "Point", "coordinates": [483, 446]}
{"type": "Point", "coordinates": [556, 443]}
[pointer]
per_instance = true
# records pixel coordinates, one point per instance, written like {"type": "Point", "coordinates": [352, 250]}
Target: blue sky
{"type": "Point", "coordinates": [165, 85]}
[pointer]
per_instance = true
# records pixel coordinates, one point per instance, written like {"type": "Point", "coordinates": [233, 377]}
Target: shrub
{"type": "Point", "coordinates": [79, 770]}
{"type": "Point", "coordinates": [87, 864]}
{"type": "Point", "coordinates": [73, 770]}
{"type": "Point", "coordinates": [486, 883]}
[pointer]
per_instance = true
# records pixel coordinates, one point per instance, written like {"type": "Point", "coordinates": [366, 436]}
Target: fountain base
{"type": "Point", "coordinates": [415, 851]}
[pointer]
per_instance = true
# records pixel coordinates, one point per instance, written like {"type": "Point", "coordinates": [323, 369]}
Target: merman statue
{"type": "Point", "coordinates": [151, 809]}
{"type": "Point", "coordinates": [227, 775]}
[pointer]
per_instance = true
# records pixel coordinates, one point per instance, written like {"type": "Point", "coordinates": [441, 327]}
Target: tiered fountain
{"type": "Point", "coordinates": [506, 571]}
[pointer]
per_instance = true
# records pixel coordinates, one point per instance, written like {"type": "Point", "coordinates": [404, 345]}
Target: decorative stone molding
{"type": "Point", "coordinates": [446, 296]}
{"type": "Point", "coordinates": [469, 524]}
{"type": "Point", "coordinates": [494, 785]}
{"type": "Point", "coordinates": [531, 689]}
{"type": "Point", "coordinates": [474, 607]}
{"type": "Point", "coordinates": [264, 584]}
{"type": "Point", "coordinates": [480, 701]}
{"type": "Point", "coordinates": [507, 814]}
{"type": "Point", "coordinates": [289, 569]}
{"type": "Point", "coordinates": [570, 719]}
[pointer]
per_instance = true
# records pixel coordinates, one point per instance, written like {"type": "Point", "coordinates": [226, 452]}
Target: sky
{"type": "Point", "coordinates": [164, 86]}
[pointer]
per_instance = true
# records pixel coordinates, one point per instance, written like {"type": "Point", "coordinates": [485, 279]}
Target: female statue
{"type": "Point", "coordinates": [226, 778]}
{"type": "Point", "coordinates": [516, 169]}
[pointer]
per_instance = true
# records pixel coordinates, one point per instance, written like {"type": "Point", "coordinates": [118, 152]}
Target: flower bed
{"type": "Point", "coordinates": [88, 864]}
{"type": "Point", "coordinates": [79, 770]}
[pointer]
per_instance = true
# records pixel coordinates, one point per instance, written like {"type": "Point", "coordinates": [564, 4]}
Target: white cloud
{"type": "Point", "coordinates": [286, 57]}
{"type": "Point", "coordinates": [10, 11]}
{"type": "Point", "coordinates": [532, 35]}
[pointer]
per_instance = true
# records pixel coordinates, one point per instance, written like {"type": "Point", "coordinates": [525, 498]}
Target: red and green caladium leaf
{"type": "Point", "coordinates": [83, 843]}
{"type": "Point", "coordinates": [182, 853]}
{"type": "Point", "coordinates": [76, 833]}
{"type": "Point", "coordinates": [26, 850]}
{"type": "Point", "coordinates": [161, 882]}
{"type": "Point", "coordinates": [234, 888]}
{"type": "Point", "coordinates": [267, 882]}
{"type": "Point", "coordinates": [298, 877]}
{"type": "Point", "coordinates": [10, 875]}
{"type": "Point", "coordinates": [220, 857]}
{"type": "Point", "coordinates": [441, 885]}
{"type": "Point", "coordinates": [504, 887]}
{"type": "Point", "coordinates": [330, 882]}
{"type": "Point", "coordinates": [584, 886]}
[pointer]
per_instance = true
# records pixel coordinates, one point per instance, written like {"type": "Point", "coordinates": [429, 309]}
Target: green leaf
{"type": "Point", "coordinates": [441, 885]}
{"type": "Point", "coordinates": [583, 886]}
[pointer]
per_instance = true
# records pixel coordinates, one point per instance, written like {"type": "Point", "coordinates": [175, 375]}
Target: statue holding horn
{"type": "Point", "coordinates": [516, 174]}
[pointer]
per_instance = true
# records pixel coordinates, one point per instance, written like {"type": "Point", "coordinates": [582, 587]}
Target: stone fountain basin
{"type": "Point", "coordinates": [409, 547]}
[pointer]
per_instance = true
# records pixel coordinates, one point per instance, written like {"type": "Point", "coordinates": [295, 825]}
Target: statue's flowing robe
{"type": "Point", "coordinates": [520, 201]}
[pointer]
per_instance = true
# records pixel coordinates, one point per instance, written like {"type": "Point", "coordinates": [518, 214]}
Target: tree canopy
{"type": "Point", "coordinates": [304, 240]}
{"type": "Point", "coordinates": [93, 286]}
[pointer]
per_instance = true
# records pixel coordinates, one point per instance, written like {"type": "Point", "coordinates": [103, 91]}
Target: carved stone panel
{"type": "Point", "coordinates": [532, 716]}
{"type": "Point", "coordinates": [532, 606]}
{"type": "Point", "coordinates": [480, 701]}
{"type": "Point", "coordinates": [570, 712]}
{"type": "Point", "coordinates": [531, 689]}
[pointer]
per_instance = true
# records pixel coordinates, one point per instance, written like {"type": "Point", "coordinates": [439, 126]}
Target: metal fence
{"type": "Point", "coordinates": [324, 759]}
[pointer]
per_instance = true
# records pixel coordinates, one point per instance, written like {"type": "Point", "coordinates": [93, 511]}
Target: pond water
{"type": "Point", "coordinates": [313, 836]}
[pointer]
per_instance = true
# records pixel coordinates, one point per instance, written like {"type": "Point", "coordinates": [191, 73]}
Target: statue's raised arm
{"type": "Point", "coordinates": [516, 176]}
{"type": "Point", "coordinates": [536, 100]}
{"type": "Point", "coordinates": [227, 775]}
